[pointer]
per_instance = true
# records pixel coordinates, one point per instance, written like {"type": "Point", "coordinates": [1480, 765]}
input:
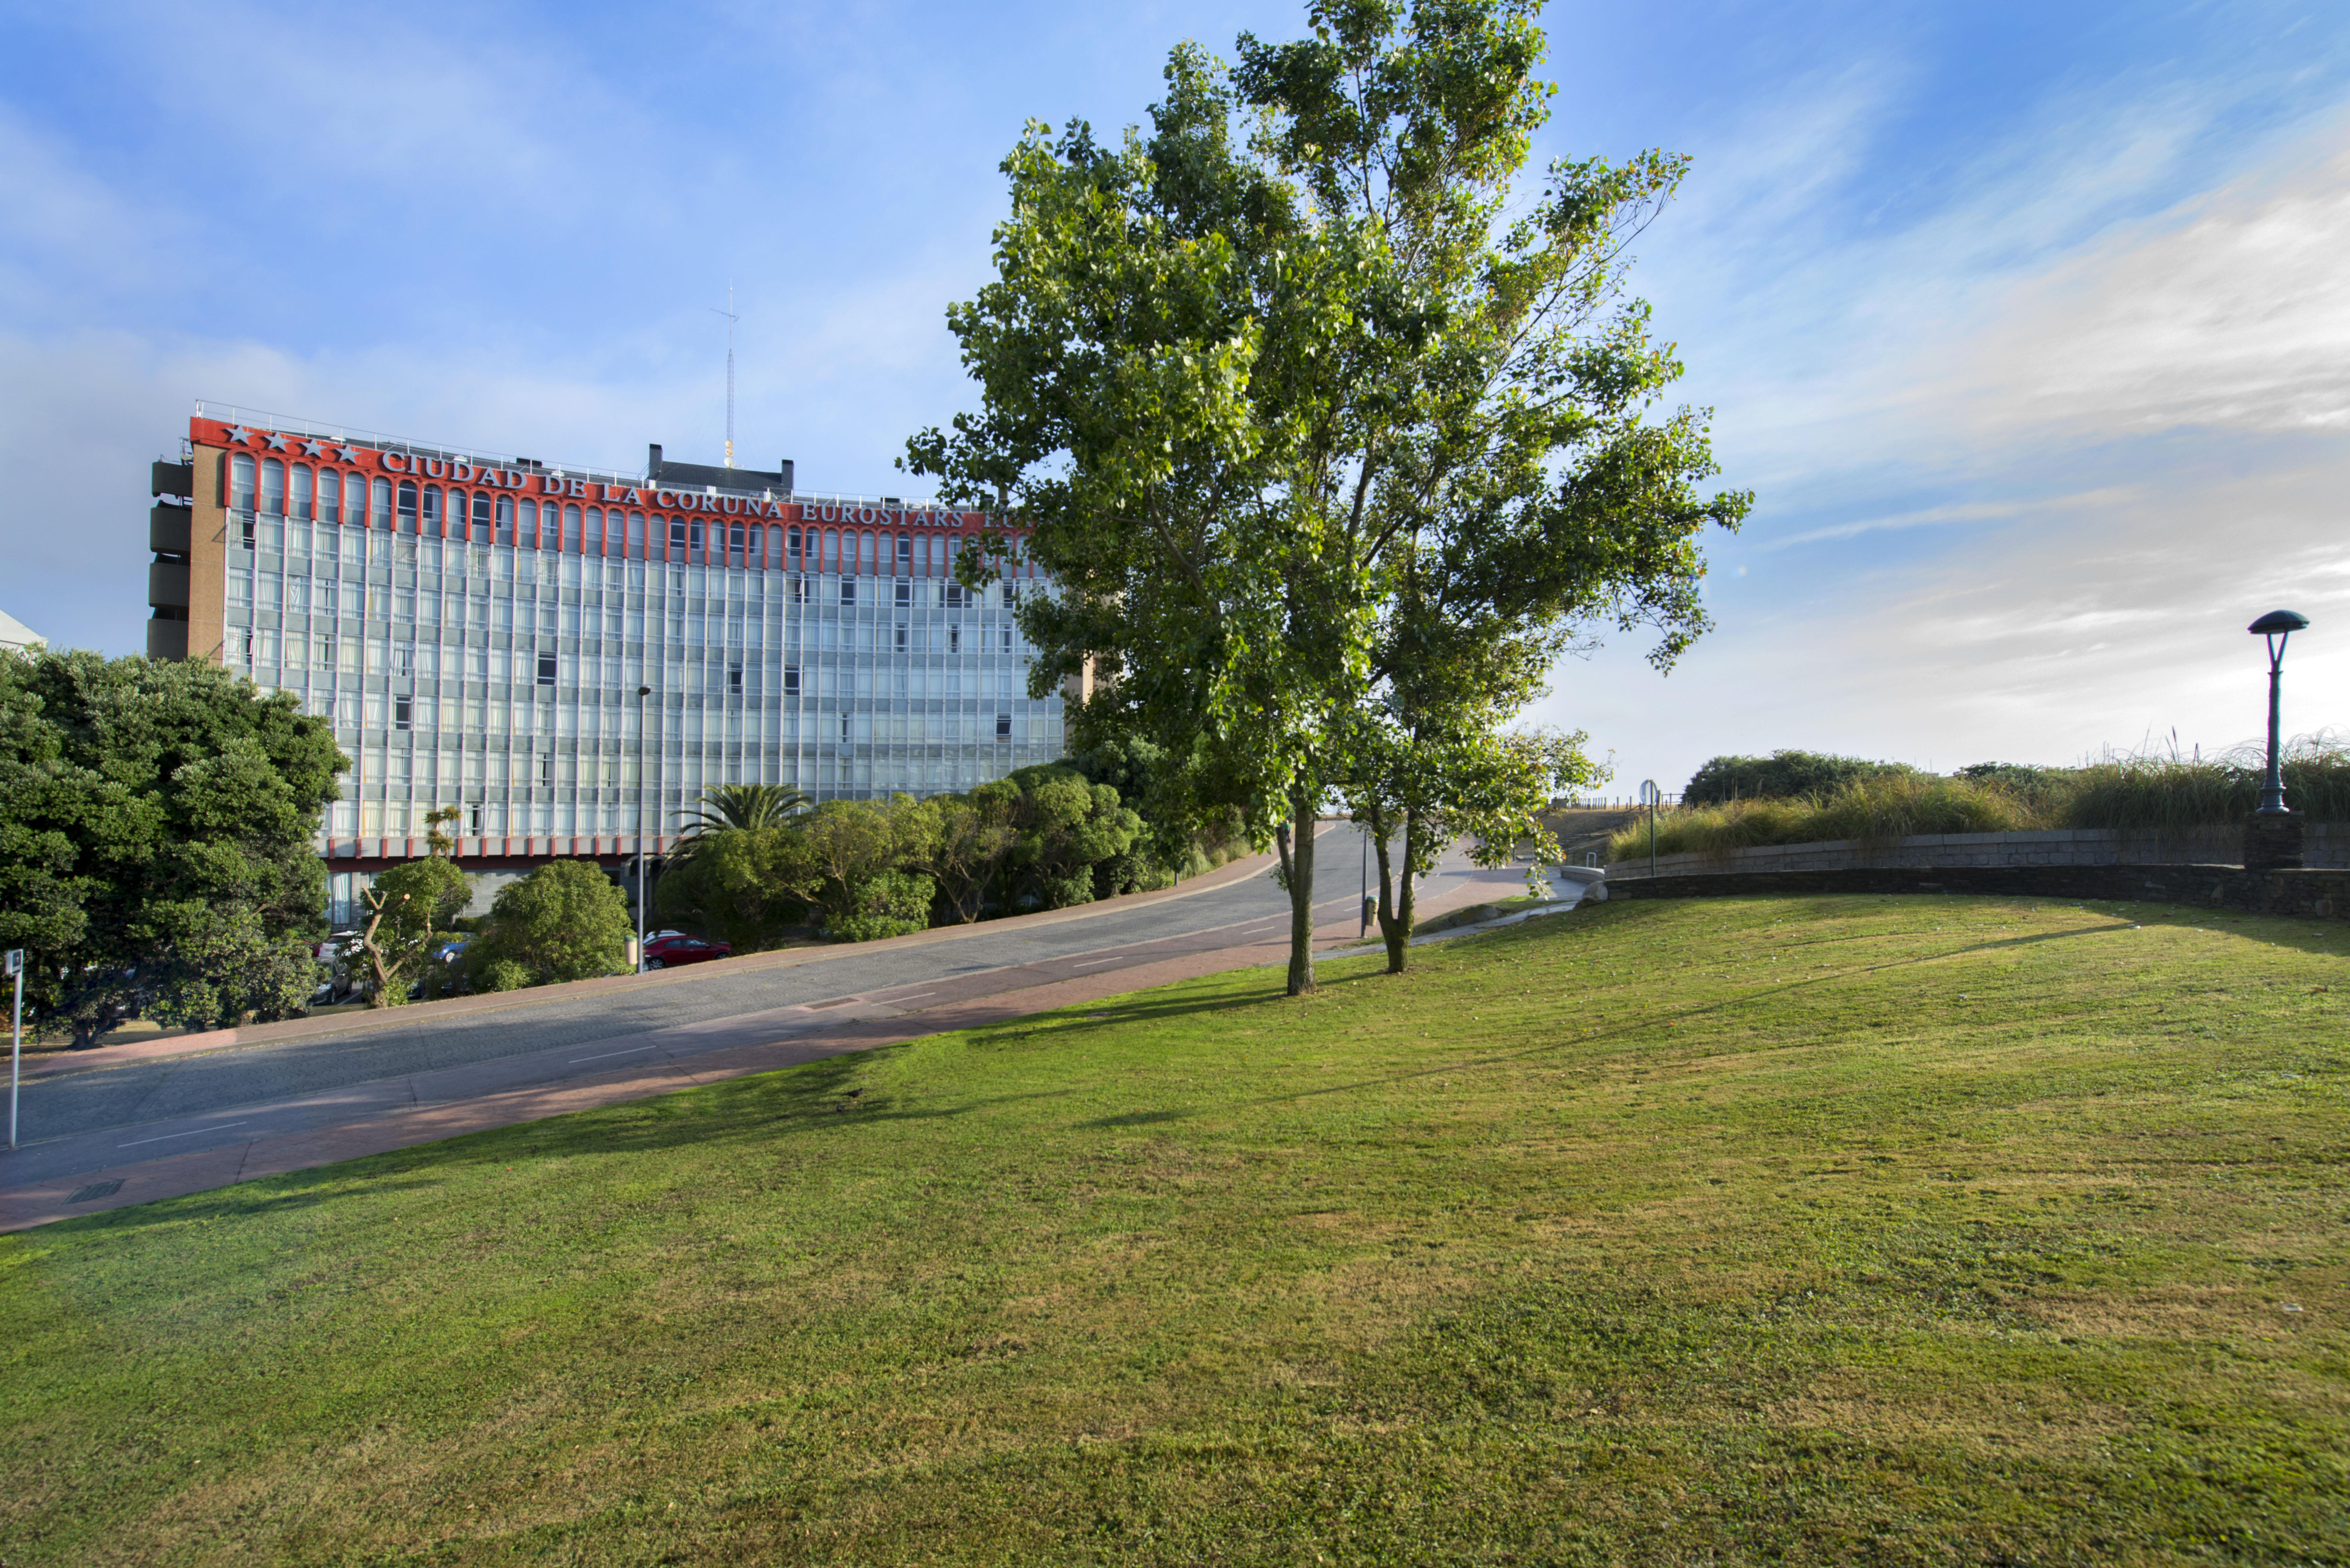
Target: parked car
{"type": "Point", "coordinates": [667, 952]}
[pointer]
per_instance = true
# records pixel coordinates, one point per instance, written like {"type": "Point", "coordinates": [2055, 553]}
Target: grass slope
{"type": "Point", "coordinates": [1834, 1230]}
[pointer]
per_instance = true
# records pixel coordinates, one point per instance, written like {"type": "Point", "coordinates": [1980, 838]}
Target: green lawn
{"type": "Point", "coordinates": [1880, 1230]}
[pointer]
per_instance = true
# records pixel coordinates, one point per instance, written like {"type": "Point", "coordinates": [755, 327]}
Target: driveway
{"type": "Point", "coordinates": [205, 1110]}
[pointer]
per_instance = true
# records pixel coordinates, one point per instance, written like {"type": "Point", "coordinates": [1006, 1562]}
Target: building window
{"type": "Point", "coordinates": [954, 596]}
{"type": "Point", "coordinates": [848, 590]}
{"type": "Point", "coordinates": [954, 639]}
{"type": "Point", "coordinates": [1007, 640]}
{"type": "Point", "coordinates": [1003, 726]}
{"type": "Point", "coordinates": [676, 538]}
{"type": "Point", "coordinates": [1011, 595]}
{"type": "Point", "coordinates": [407, 506]}
{"type": "Point", "coordinates": [330, 496]}
{"type": "Point", "coordinates": [799, 590]}
{"type": "Point", "coordinates": [504, 525]}
{"type": "Point", "coordinates": [547, 670]}
{"type": "Point", "coordinates": [844, 729]}
{"type": "Point", "coordinates": [403, 711]}
{"type": "Point", "coordinates": [635, 536]}
{"type": "Point", "coordinates": [432, 510]}
{"type": "Point", "coordinates": [404, 659]}
{"type": "Point", "coordinates": [240, 482]}
{"type": "Point", "coordinates": [301, 491]}
{"type": "Point", "coordinates": [569, 537]}
{"type": "Point", "coordinates": [380, 504]}
{"type": "Point", "coordinates": [832, 550]}
{"type": "Point", "coordinates": [791, 680]}
{"type": "Point", "coordinates": [901, 637]}
{"type": "Point", "coordinates": [485, 506]}
{"type": "Point", "coordinates": [905, 552]}
{"type": "Point", "coordinates": [734, 677]}
{"type": "Point", "coordinates": [905, 595]}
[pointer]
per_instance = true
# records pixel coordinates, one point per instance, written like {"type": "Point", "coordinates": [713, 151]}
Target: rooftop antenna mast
{"type": "Point", "coordinates": [730, 319]}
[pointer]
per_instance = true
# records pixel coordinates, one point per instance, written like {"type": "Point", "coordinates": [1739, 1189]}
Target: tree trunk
{"type": "Point", "coordinates": [1300, 861]}
{"type": "Point", "coordinates": [1392, 931]}
{"type": "Point", "coordinates": [1400, 943]}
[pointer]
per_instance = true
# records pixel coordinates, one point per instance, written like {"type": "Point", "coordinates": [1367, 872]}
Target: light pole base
{"type": "Point", "coordinates": [2272, 842]}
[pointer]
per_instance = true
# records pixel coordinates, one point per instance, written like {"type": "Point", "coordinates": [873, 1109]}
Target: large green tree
{"type": "Point", "coordinates": [157, 827]}
{"type": "Point", "coordinates": [1244, 373]}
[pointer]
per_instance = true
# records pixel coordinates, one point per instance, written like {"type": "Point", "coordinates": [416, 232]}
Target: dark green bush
{"type": "Point", "coordinates": [1782, 775]}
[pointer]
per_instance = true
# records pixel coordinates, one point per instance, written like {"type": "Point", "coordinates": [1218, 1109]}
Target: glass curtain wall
{"type": "Point", "coordinates": [477, 649]}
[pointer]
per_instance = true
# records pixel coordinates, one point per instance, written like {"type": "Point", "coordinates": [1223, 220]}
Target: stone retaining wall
{"type": "Point", "coordinates": [2308, 895]}
{"type": "Point", "coordinates": [2324, 846]}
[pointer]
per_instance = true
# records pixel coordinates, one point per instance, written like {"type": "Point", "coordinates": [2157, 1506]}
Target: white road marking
{"type": "Point", "coordinates": [163, 1137]}
{"type": "Point", "coordinates": [916, 997]}
{"type": "Point", "coordinates": [601, 1054]}
{"type": "Point", "coordinates": [1088, 963]}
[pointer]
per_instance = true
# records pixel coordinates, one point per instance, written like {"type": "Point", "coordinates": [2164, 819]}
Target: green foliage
{"type": "Point", "coordinates": [1784, 776]}
{"type": "Point", "coordinates": [221, 966]}
{"type": "Point", "coordinates": [737, 885]}
{"type": "Point", "coordinates": [156, 817]}
{"type": "Point", "coordinates": [738, 807]}
{"type": "Point", "coordinates": [848, 858]}
{"type": "Point", "coordinates": [493, 972]}
{"type": "Point", "coordinates": [1874, 811]}
{"type": "Point", "coordinates": [2174, 794]}
{"type": "Point", "coordinates": [885, 904]}
{"type": "Point", "coordinates": [1250, 374]}
{"type": "Point", "coordinates": [1877, 802]}
{"type": "Point", "coordinates": [411, 907]}
{"type": "Point", "coordinates": [566, 920]}
{"type": "Point", "coordinates": [1069, 830]}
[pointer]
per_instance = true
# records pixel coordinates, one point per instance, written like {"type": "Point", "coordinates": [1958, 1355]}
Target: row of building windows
{"type": "Point", "coordinates": [484, 516]}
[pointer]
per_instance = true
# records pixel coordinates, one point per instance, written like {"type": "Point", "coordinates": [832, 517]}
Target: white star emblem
{"type": "Point", "coordinates": [277, 442]}
{"type": "Point", "coordinates": [348, 453]}
{"type": "Point", "coordinates": [311, 449]}
{"type": "Point", "coordinates": [239, 433]}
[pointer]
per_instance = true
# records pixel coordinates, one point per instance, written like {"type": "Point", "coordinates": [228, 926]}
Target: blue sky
{"type": "Point", "coordinates": [2027, 323]}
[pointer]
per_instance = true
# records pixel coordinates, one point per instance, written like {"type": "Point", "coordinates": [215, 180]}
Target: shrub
{"type": "Point", "coordinates": [885, 904]}
{"type": "Point", "coordinates": [565, 920]}
{"type": "Point", "coordinates": [1782, 775]}
{"type": "Point", "coordinates": [1876, 811]}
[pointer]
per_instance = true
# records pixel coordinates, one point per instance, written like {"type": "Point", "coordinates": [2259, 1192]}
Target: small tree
{"type": "Point", "coordinates": [1067, 828]}
{"type": "Point", "coordinates": [975, 833]}
{"type": "Point", "coordinates": [851, 860]}
{"type": "Point", "coordinates": [566, 920]}
{"type": "Point", "coordinates": [409, 907]}
{"type": "Point", "coordinates": [736, 886]}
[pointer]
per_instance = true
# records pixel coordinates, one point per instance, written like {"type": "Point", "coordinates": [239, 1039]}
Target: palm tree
{"type": "Point", "coordinates": [741, 806]}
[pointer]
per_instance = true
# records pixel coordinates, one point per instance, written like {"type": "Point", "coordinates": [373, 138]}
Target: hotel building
{"type": "Point", "coordinates": [476, 628]}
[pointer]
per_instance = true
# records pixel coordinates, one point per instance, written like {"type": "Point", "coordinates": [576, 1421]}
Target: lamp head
{"type": "Point", "coordinates": [644, 691]}
{"type": "Point", "coordinates": [2276, 621]}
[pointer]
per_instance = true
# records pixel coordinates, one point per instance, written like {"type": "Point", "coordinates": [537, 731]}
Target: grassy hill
{"type": "Point", "coordinates": [1831, 1231]}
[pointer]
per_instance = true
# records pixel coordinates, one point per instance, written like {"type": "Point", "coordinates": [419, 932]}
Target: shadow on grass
{"type": "Point", "coordinates": [811, 1099]}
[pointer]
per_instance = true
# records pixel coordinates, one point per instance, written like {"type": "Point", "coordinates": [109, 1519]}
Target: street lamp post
{"type": "Point", "coordinates": [2272, 836]}
{"type": "Point", "coordinates": [2277, 625]}
{"type": "Point", "coordinates": [642, 693]}
{"type": "Point", "coordinates": [1650, 796]}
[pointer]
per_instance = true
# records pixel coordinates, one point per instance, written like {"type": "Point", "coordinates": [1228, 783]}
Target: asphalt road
{"type": "Point", "coordinates": [81, 1121]}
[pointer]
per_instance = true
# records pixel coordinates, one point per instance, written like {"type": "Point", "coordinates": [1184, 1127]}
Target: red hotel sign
{"type": "Point", "coordinates": [327, 455]}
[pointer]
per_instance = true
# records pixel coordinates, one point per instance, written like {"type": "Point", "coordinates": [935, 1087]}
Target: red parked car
{"type": "Point", "coordinates": [667, 952]}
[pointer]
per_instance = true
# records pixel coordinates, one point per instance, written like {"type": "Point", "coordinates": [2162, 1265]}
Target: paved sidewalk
{"type": "Point", "coordinates": [343, 1123]}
